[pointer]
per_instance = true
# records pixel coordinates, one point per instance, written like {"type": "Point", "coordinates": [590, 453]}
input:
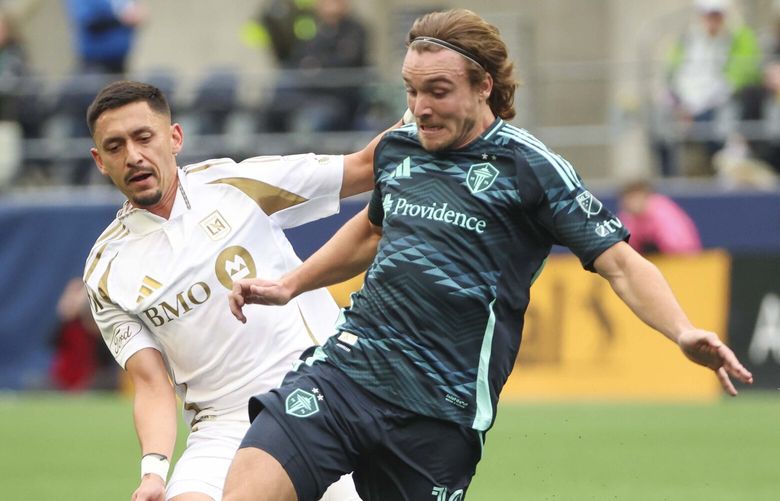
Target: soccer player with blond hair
{"type": "Point", "coordinates": [465, 210]}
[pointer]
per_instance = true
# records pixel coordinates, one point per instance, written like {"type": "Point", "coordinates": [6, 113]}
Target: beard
{"type": "Point", "coordinates": [147, 200]}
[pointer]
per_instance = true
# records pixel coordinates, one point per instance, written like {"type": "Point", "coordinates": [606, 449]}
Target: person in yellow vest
{"type": "Point", "coordinates": [323, 46]}
{"type": "Point", "coordinates": [711, 61]}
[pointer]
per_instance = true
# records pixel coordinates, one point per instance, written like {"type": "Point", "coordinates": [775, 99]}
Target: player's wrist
{"type": "Point", "coordinates": [155, 464]}
{"type": "Point", "coordinates": [291, 286]}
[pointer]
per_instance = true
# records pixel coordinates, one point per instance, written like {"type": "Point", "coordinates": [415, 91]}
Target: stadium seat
{"type": "Point", "coordinates": [214, 100]}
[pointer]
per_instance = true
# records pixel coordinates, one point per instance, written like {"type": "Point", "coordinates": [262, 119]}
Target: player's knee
{"type": "Point", "coordinates": [255, 475]}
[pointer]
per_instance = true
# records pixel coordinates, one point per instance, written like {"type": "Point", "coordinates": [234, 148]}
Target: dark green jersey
{"type": "Point", "coordinates": [437, 324]}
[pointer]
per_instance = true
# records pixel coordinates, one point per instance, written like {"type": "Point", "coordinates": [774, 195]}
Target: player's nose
{"type": "Point", "coordinates": [134, 156]}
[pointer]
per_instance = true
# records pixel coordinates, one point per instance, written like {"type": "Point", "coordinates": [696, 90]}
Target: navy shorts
{"type": "Point", "coordinates": [321, 425]}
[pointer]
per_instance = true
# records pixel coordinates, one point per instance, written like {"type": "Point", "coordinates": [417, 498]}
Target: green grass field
{"type": "Point", "coordinates": [84, 448]}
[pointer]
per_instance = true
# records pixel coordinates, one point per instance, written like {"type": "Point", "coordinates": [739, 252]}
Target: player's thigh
{"type": "Point", "coordinates": [422, 458]}
{"type": "Point", "coordinates": [257, 475]}
{"type": "Point", "coordinates": [307, 451]}
{"type": "Point", "coordinates": [307, 425]}
{"type": "Point", "coordinates": [203, 466]}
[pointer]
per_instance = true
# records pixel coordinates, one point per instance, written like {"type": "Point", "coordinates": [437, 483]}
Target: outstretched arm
{"type": "Point", "coordinates": [346, 254]}
{"type": "Point", "coordinates": [642, 287]}
{"type": "Point", "coordinates": [154, 413]}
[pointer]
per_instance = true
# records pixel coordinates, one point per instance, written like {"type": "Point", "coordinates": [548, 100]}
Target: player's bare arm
{"type": "Point", "coordinates": [346, 254]}
{"type": "Point", "coordinates": [359, 169]}
{"type": "Point", "coordinates": [154, 414]}
{"type": "Point", "coordinates": [643, 288]}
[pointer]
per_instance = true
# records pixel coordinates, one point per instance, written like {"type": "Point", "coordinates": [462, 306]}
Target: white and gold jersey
{"type": "Point", "coordinates": [164, 283]}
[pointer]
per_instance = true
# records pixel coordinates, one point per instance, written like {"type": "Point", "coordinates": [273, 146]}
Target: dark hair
{"type": "Point", "coordinates": [468, 31]}
{"type": "Point", "coordinates": [121, 93]}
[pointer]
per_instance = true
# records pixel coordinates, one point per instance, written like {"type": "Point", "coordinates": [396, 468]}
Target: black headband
{"type": "Point", "coordinates": [447, 45]}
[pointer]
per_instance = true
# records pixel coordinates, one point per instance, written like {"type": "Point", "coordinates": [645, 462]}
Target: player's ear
{"type": "Point", "coordinates": [98, 161]}
{"type": "Point", "coordinates": [486, 86]}
{"type": "Point", "coordinates": [177, 138]}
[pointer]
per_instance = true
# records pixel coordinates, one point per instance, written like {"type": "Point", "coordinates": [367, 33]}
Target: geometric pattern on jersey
{"type": "Point", "coordinates": [459, 383]}
{"type": "Point", "coordinates": [412, 249]}
{"type": "Point", "coordinates": [439, 318]}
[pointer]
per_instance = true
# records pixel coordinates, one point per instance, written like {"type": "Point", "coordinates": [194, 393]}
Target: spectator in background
{"type": "Point", "coordinates": [104, 32]}
{"type": "Point", "coordinates": [759, 164]}
{"type": "Point", "coordinates": [277, 25]}
{"type": "Point", "coordinates": [81, 360]}
{"type": "Point", "coordinates": [315, 97]}
{"type": "Point", "coordinates": [655, 222]}
{"type": "Point", "coordinates": [714, 58]}
{"type": "Point", "coordinates": [12, 68]}
{"type": "Point", "coordinates": [766, 106]}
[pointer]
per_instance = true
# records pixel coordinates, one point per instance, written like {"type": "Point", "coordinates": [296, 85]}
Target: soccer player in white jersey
{"type": "Point", "coordinates": [158, 279]}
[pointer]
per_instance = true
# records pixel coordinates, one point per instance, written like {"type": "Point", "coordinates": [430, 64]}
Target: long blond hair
{"type": "Point", "coordinates": [482, 42]}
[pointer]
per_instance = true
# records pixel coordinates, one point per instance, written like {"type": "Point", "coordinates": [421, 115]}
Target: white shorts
{"type": "Point", "coordinates": [205, 462]}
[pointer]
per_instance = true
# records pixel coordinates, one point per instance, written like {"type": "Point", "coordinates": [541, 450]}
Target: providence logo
{"type": "Point", "coordinates": [433, 212]}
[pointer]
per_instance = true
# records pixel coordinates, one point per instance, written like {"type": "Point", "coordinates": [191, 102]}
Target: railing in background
{"type": "Point", "coordinates": [227, 112]}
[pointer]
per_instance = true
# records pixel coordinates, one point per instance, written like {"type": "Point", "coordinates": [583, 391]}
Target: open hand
{"type": "Point", "coordinates": [705, 348]}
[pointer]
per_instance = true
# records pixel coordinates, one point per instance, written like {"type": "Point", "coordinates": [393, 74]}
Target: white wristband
{"type": "Point", "coordinates": [155, 463]}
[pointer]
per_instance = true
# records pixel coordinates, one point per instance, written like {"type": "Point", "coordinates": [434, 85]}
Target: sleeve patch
{"type": "Point", "coordinates": [123, 333]}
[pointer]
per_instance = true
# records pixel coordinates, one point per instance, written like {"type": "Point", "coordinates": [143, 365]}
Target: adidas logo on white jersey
{"type": "Point", "coordinates": [149, 286]}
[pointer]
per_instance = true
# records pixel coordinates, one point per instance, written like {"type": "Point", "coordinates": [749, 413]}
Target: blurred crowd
{"type": "Point", "coordinates": [718, 112]}
{"type": "Point", "coordinates": [320, 46]}
{"type": "Point", "coordinates": [717, 115]}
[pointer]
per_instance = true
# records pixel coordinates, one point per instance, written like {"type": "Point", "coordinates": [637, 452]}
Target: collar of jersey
{"type": "Point", "coordinates": [142, 222]}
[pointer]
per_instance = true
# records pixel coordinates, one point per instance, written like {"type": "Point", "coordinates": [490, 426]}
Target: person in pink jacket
{"type": "Point", "coordinates": [656, 222]}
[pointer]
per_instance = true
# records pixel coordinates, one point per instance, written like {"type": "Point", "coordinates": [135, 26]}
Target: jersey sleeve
{"type": "Point", "coordinates": [297, 189]}
{"type": "Point", "coordinates": [557, 199]}
{"type": "Point", "coordinates": [376, 211]}
{"type": "Point", "coordinates": [123, 333]}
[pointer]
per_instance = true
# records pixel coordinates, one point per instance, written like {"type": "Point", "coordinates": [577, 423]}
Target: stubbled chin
{"type": "Point", "coordinates": [432, 140]}
{"type": "Point", "coordinates": [429, 145]}
{"type": "Point", "coordinates": [147, 198]}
